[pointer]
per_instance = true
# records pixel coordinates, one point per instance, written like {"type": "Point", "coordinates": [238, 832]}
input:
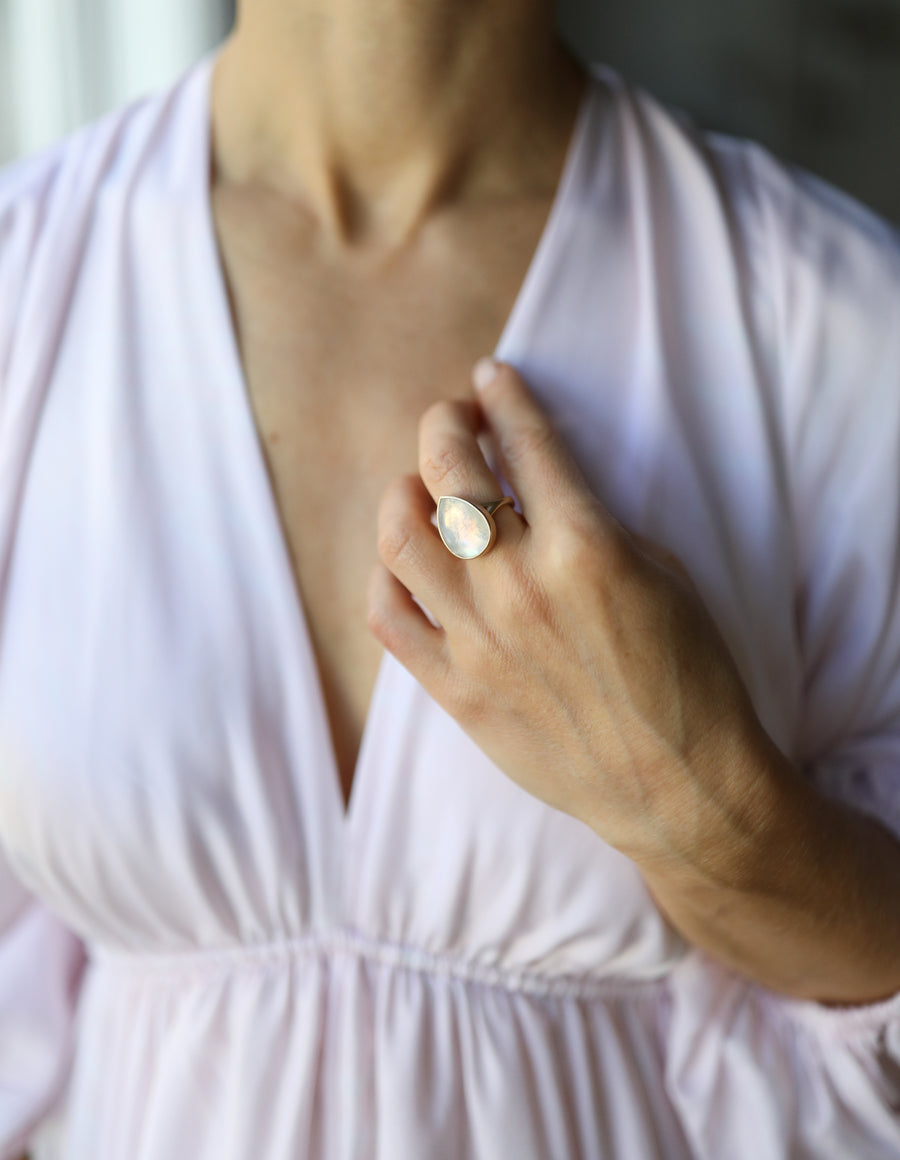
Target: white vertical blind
{"type": "Point", "coordinates": [63, 62]}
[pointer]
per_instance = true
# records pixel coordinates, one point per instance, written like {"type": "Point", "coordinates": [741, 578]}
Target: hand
{"type": "Point", "coordinates": [581, 659]}
{"type": "Point", "coordinates": [576, 654]}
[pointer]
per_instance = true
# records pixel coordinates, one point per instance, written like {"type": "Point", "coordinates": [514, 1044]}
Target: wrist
{"type": "Point", "coordinates": [751, 808]}
{"type": "Point", "coordinates": [805, 902]}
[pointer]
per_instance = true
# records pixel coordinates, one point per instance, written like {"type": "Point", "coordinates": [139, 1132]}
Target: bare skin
{"type": "Point", "coordinates": [363, 289]}
{"type": "Point", "coordinates": [368, 157]}
{"type": "Point", "coordinates": [627, 711]}
{"type": "Point", "coordinates": [340, 364]}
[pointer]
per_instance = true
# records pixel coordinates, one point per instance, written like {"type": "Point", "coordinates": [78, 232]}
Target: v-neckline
{"type": "Point", "coordinates": [236, 396]}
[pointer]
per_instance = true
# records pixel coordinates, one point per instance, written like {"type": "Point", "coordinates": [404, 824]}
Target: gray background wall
{"type": "Point", "coordinates": [818, 81]}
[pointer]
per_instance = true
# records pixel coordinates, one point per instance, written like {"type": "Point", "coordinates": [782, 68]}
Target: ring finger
{"type": "Point", "coordinates": [451, 463]}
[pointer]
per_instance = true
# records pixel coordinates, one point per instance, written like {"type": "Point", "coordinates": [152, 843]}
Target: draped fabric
{"type": "Point", "coordinates": [201, 953]}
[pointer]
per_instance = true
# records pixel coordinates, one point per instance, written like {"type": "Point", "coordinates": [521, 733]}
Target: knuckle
{"type": "Point", "coordinates": [445, 462]}
{"type": "Point", "coordinates": [572, 550]}
{"type": "Point", "coordinates": [400, 522]}
{"type": "Point", "coordinates": [394, 541]}
{"type": "Point", "coordinates": [383, 627]}
{"type": "Point", "coordinates": [463, 700]}
{"type": "Point", "coordinates": [377, 620]}
{"type": "Point", "coordinates": [585, 552]}
{"type": "Point", "coordinates": [529, 441]}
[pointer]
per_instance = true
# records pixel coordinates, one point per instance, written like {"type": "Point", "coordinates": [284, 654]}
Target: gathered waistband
{"type": "Point", "coordinates": [168, 965]}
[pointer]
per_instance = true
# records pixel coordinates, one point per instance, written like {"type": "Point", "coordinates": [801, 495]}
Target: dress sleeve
{"type": "Point", "coordinates": [41, 959]}
{"type": "Point", "coordinates": [825, 1080]}
{"type": "Point", "coordinates": [837, 306]}
{"type": "Point", "coordinates": [836, 287]}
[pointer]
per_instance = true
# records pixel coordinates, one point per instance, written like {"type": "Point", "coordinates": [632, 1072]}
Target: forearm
{"type": "Point", "coordinates": [808, 906]}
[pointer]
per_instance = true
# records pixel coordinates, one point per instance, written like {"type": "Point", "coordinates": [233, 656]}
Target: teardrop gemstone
{"type": "Point", "coordinates": [465, 530]}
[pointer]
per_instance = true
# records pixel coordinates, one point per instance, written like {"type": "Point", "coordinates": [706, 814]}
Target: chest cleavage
{"type": "Point", "coordinates": [339, 362]}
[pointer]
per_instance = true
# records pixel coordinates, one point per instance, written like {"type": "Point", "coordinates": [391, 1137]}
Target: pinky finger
{"type": "Point", "coordinates": [400, 624]}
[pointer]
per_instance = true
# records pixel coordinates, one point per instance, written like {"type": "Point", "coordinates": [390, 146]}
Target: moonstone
{"type": "Point", "coordinates": [463, 528]}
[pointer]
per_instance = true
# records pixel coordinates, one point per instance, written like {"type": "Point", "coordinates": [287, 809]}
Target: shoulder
{"type": "Point", "coordinates": [37, 190]}
{"type": "Point", "coordinates": [771, 205]}
{"type": "Point", "coordinates": [53, 203]}
{"type": "Point", "coordinates": [817, 273]}
{"type": "Point", "coordinates": [818, 277]}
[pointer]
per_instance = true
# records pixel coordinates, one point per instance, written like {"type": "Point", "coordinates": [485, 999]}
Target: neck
{"type": "Point", "coordinates": [373, 114]}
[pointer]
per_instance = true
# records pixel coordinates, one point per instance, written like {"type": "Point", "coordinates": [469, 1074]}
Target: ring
{"type": "Point", "coordinates": [468, 529]}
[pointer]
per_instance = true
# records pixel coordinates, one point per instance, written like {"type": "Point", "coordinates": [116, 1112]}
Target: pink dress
{"type": "Point", "coordinates": [201, 956]}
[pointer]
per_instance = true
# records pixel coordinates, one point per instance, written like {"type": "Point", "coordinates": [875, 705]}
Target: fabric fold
{"type": "Point", "coordinates": [780, 1077]}
{"type": "Point", "coordinates": [41, 966]}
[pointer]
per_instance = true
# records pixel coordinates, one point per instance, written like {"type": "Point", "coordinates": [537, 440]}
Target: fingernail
{"type": "Point", "coordinates": [483, 372]}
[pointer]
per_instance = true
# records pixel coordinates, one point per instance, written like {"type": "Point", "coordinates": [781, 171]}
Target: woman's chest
{"type": "Point", "coordinates": [340, 360]}
{"type": "Point", "coordinates": [158, 710]}
{"type": "Point", "coordinates": [332, 438]}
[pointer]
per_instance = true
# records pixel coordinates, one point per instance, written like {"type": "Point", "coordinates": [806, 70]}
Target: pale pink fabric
{"type": "Point", "coordinates": [202, 957]}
